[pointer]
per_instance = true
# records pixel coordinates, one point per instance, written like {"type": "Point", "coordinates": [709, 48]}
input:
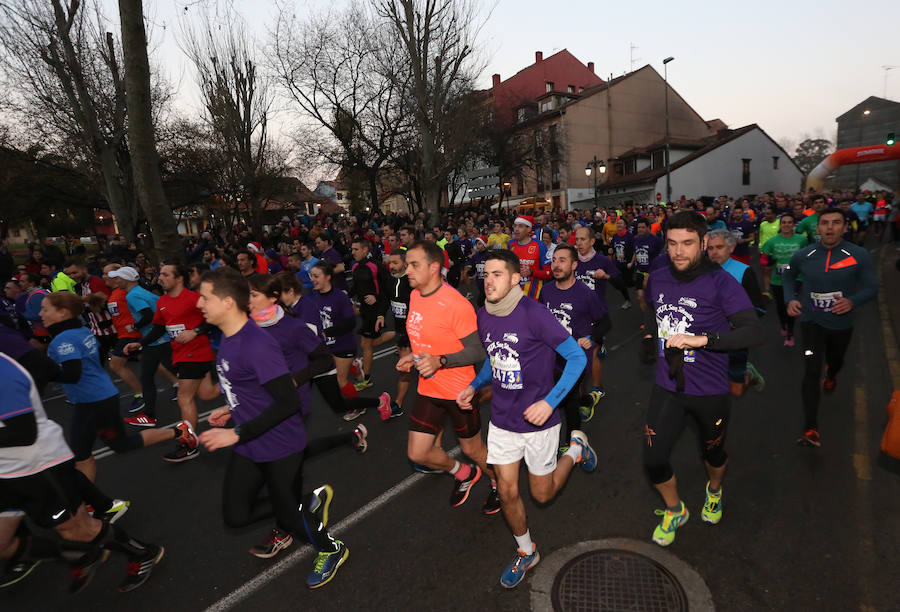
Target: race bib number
{"type": "Point", "coordinates": [174, 330]}
{"type": "Point", "coordinates": [642, 258]}
{"type": "Point", "coordinates": [113, 308]}
{"type": "Point", "coordinates": [398, 309]}
{"type": "Point", "coordinates": [824, 301]}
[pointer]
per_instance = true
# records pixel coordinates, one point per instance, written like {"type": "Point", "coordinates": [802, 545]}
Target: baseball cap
{"type": "Point", "coordinates": [125, 273]}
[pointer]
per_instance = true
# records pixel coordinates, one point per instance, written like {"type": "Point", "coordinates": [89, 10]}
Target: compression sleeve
{"type": "Point", "coordinates": [472, 352]}
{"type": "Point", "coordinates": [751, 286]}
{"type": "Point", "coordinates": [484, 376]}
{"type": "Point", "coordinates": [69, 372]}
{"type": "Point", "coordinates": [145, 319]}
{"type": "Point", "coordinates": [575, 364]}
{"type": "Point", "coordinates": [156, 332]}
{"type": "Point", "coordinates": [284, 405]}
{"type": "Point", "coordinates": [19, 430]}
{"type": "Point", "coordinates": [747, 331]}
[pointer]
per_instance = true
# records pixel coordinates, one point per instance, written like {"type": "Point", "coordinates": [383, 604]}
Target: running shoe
{"type": "Point", "coordinates": [712, 507]}
{"type": "Point", "coordinates": [461, 488]}
{"type": "Point", "coordinates": [664, 534]}
{"type": "Point", "coordinates": [588, 456]}
{"type": "Point", "coordinates": [626, 304]}
{"type": "Point", "coordinates": [789, 341]}
{"type": "Point", "coordinates": [352, 415]}
{"type": "Point", "coordinates": [810, 437]}
{"type": "Point", "coordinates": [116, 511]}
{"type": "Point", "coordinates": [360, 445]}
{"type": "Point", "coordinates": [492, 503]}
{"type": "Point", "coordinates": [396, 410]}
{"type": "Point", "coordinates": [137, 404]}
{"type": "Point", "coordinates": [140, 567]}
{"type": "Point", "coordinates": [83, 569]}
{"type": "Point", "coordinates": [363, 383]}
{"type": "Point", "coordinates": [424, 469]}
{"type": "Point", "coordinates": [187, 435]}
{"type": "Point", "coordinates": [16, 571]}
{"type": "Point", "coordinates": [756, 379]}
{"type": "Point", "coordinates": [183, 452]}
{"type": "Point", "coordinates": [326, 566]}
{"type": "Point", "coordinates": [515, 571]}
{"type": "Point", "coordinates": [829, 385]}
{"type": "Point", "coordinates": [174, 396]}
{"type": "Point", "coordinates": [385, 407]}
{"type": "Point", "coordinates": [275, 542]}
{"type": "Point", "coordinates": [141, 420]}
{"type": "Point", "coordinates": [320, 502]}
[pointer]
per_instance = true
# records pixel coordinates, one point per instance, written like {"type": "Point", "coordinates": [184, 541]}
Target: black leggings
{"type": "Point", "coordinates": [666, 419]}
{"type": "Point", "coordinates": [283, 480]}
{"type": "Point", "coordinates": [820, 345]}
{"type": "Point", "coordinates": [786, 321]}
{"type": "Point", "coordinates": [339, 404]}
{"type": "Point", "coordinates": [151, 357]}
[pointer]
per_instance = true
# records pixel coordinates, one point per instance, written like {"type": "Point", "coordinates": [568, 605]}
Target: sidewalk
{"type": "Point", "coordinates": [889, 304]}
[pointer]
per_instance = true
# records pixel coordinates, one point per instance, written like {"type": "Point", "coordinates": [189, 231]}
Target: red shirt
{"type": "Point", "coordinates": [121, 316]}
{"type": "Point", "coordinates": [179, 314]}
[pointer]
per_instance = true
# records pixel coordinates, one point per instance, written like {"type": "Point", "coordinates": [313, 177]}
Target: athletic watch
{"type": "Point", "coordinates": [237, 430]}
{"type": "Point", "coordinates": [443, 361]}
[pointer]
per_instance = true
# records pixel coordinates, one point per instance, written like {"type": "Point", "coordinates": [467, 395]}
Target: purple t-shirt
{"type": "Point", "coordinates": [334, 258]}
{"type": "Point", "coordinates": [646, 249]}
{"type": "Point", "coordinates": [297, 341]}
{"type": "Point", "coordinates": [522, 351]}
{"type": "Point", "coordinates": [623, 247]}
{"type": "Point", "coordinates": [585, 273]}
{"type": "Point", "coordinates": [305, 310]}
{"type": "Point", "coordinates": [576, 308]}
{"type": "Point", "coordinates": [246, 361]}
{"type": "Point", "coordinates": [740, 230]}
{"type": "Point", "coordinates": [699, 306]}
{"type": "Point", "coordinates": [335, 307]}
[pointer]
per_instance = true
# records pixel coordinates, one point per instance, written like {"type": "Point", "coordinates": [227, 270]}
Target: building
{"type": "Point", "coordinates": [868, 123]}
{"type": "Point", "coordinates": [737, 162]}
{"type": "Point", "coordinates": [334, 190]}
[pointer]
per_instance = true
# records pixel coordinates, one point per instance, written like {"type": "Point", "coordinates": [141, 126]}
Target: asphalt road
{"type": "Point", "coordinates": [803, 528]}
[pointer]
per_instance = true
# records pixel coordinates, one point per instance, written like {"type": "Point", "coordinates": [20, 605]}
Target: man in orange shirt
{"type": "Point", "coordinates": [443, 334]}
{"type": "Point", "coordinates": [123, 323]}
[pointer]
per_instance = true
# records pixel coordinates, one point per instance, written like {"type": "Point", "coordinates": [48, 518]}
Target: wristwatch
{"type": "Point", "coordinates": [443, 361]}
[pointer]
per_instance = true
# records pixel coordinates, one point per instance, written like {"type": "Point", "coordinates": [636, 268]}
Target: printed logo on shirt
{"type": "Point", "coordinates": [511, 338]}
{"type": "Point", "coordinates": [65, 348]}
{"type": "Point", "coordinates": [505, 366]}
{"type": "Point", "coordinates": [325, 317]}
{"type": "Point", "coordinates": [113, 308]}
{"type": "Point", "coordinates": [230, 397]}
{"type": "Point", "coordinates": [588, 279]}
{"type": "Point", "coordinates": [687, 301]}
{"type": "Point", "coordinates": [90, 343]}
{"type": "Point", "coordinates": [174, 330]}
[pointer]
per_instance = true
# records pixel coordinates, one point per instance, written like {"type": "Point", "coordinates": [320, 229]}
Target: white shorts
{"type": "Point", "coordinates": [538, 448]}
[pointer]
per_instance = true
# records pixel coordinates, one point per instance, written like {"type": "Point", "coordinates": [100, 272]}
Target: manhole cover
{"type": "Point", "coordinates": [615, 579]}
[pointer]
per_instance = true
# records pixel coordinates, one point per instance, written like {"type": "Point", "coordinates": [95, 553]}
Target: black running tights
{"type": "Point", "coordinates": [820, 346]}
{"type": "Point", "coordinates": [328, 387]}
{"type": "Point", "coordinates": [783, 318]}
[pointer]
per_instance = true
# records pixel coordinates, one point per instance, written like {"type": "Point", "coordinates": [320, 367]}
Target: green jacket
{"type": "Point", "coordinates": [61, 282]}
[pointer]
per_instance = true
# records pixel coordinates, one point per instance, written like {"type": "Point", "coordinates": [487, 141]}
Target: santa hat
{"type": "Point", "coordinates": [255, 247]}
{"type": "Point", "coordinates": [526, 219]}
{"type": "Point", "coordinates": [481, 239]}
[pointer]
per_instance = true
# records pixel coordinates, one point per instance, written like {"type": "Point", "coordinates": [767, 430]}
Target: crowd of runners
{"type": "Point", "coordinates": [484, 306]}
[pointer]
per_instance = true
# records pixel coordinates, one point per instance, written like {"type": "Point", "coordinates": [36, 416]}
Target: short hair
{"type": "Point", "coordinates": [75, 262]}
{"type": "Point", "coordinates": [433, 253]}
{"type": "Point", "coordinates": [643, 221]}
{"type": "Point", "coordinates": [325, 238]}
{"type": "Point", "coordinates": [688, 220]}
{"type": "Point", "coordinates": [508, 257]}
{"type": "Point", "coordinates": [180, 269]}
{"type": "Point", "coordinates": [401, 253]}
{"type": "Point", "coordinates": [289, 282]}
{"type": "Point", "coordinates": [362, 241]}
{"type": "Point", "coordinates": [34, 279]}
{"type": "Point", "coordinates": [325, 266]}
{"type": "Point", "coordinates": [244, 252]}
{"type": "Point", "coordinates": [832, 211]}
{"type": "Point", "coordinates": [228, 282]}
{"type": "Point", "coordinates": [724, 234]}
{"type": "Point", "coordinates": [200, 267]}
{"type": "Point", "coordinates": [565, 246]}
{"type": "Point", "coordinates": [409, 230]}
{"type": "Point", "coordinates": [565, 226]}
{"type": "Point", "coordinates": [590, 231]}
{"type": "Point", "coordinates": [68, 301]}
{"type": "Point", "coordinates": [787, 213]}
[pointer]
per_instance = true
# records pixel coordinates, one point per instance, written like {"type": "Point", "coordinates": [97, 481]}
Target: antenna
{"type": "Point", "coordinates": [887, 70]}
{"type": "Point", "coordinates": [634, 59]}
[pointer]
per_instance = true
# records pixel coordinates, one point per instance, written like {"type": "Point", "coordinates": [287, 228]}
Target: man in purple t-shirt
{"type": "Point", "coordinates": [743, 231]}
{"type": "Point", "coordinates": [269, 436]}
{"type": "Point", "coordinates": [646, 248]}
{"type": "Point", "coordinates": [522, 340]}
{"type": "Point", "coordinates": [328, 253]}
{"type": "Point", "coordinates": [700, 313]}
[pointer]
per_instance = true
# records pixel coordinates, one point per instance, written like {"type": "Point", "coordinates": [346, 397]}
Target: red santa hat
{"type": "Point", "coordinates": [255, 247]}
{"type": "Point", "coordinates": [526, 219]}
{"type": "Point", "coordinates": [481, 239]}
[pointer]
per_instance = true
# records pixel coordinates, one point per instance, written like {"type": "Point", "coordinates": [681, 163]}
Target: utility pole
{"type": "Point", "coordinates": [887, 70]}
{"type": "Point", "coordinates": [634, 59]}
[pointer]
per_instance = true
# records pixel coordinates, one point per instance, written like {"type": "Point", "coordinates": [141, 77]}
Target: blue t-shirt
{"type": "Point", "coordinates": [94, 384]}
{"type": "Point", "coordinates": [303, 274]}
{"type": "Point", "coordinates": [863, 211]}
{"type": "Point", "coordinates": [140, 299]}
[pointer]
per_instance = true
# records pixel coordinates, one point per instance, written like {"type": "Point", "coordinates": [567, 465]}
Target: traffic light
{"type": "Point", "coordinates": [890, 140]}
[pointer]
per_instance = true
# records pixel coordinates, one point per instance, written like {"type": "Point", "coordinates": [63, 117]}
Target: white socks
{"type": "Point", "coordinates": [524, 543]}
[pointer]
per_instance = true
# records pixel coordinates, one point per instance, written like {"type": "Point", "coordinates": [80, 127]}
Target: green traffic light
{"type": "Point", "coordinates": [890, 140]}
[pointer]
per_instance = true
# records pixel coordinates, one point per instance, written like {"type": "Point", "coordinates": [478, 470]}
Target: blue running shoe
{"type": "Point", "coordinates": [515, 571]}
{"type": "Point", "coordinates": [424, 469]}
{"type": "Point", "coordinates": [588, 456]}
{"type": "Point", "coordinates": [137, 405]}
{"type": "Point", "coordinates": [326, 566]}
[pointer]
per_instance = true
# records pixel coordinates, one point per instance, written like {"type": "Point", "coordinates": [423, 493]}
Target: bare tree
{"type": "Point", "coordinates": [438, 39]}
{"type": "Point", "coordinates": [330, 66]}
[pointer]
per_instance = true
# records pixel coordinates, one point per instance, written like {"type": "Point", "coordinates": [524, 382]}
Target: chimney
{"type": "Point", "coordinates": [538, 57]}
{"type": "Point", "coordinates": [496, 80]}
{"type": "Point", "coordinates": [591, 67]}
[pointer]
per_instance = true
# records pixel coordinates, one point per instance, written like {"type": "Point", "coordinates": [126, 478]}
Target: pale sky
{"type": "Point", "coordinates": [791, 66]}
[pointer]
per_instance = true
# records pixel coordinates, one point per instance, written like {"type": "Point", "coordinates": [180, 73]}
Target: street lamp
{"type": "Point", "coordinates": [865, 114]}
{"type": "Point", "coordinates": [668, 175]}
{"type": "Point", "coordinates": [595, 167]}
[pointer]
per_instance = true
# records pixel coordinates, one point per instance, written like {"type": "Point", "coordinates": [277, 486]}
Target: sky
{"type": "Point", "coordinates": [790, 66]}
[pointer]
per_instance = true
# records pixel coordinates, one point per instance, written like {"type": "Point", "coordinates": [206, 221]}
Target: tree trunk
{"type": "Point", "coordinates": [119, 204]}
{"type": "Point", "coordinates": [141, 140]}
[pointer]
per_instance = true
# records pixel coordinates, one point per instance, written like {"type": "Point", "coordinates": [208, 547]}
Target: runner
{"type": "Point", "coordinates": [522, 340]}
{"type": "Point", "coordinates": [476, 267]}
{"type": "Point", "coordinates": [579, 311]}
{"type": "Point", "coordinates": [808, 226]}
{"type": "Point", "coordinates": [34, 295]}
{"type": "Point", "coordinates": [838, 277]}
{"type": "Point", "coordinates": [399, 300]}
{"type": "Point", "coordinates": [94, 397]}
{"type": "Point", "coordinates": [744, 232]}
{"type": "Point", "coordinates": [370, 292]}
{"type": "Point", "coordinates": [443, 335]}
{"type": "Point", "coordinates": [269, 436]}
{"type": "Point", "coordinates": [123, 324]}
{"type": "Point", "coordinates": [329, 254]}
{"type": "Point", "coordinates": [531, 254]}
{"type": "Point", "coordinates": [38, 476]}
{"type": "Point", "coordinates": [177, 316]}
{"type": "Point", "coordinates": [700, 313]}
{"type": "Point", "coordinates": [768, 229]}
{"type": "Point", "coordinates": [780, 249]}
{"type": "Point", "coordinates": [621, 248]}
{"type": "Point", "coordinates": [99, 320]}
{"type": "Point", "coordinates": [647, 248]}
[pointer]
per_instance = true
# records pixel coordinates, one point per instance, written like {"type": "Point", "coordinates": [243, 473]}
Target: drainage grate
{"type": "Point", "coordinates": [614, 579]}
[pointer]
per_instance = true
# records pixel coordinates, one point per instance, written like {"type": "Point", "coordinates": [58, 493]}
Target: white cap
{"type": "Point", "coordinates": [125, 273]}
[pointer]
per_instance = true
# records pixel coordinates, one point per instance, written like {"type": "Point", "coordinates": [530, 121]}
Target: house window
{"type": "Point", "coordinates": [571, 89]}
{"type": "Point", "coordinates": [580, 89]}
{"type": "Point", "coordinates": [340, 196]}
{"type": "Point", "coordinates": [774, 162]}
{"type": "Point", "coordinates": [549, 86]}
{"type": "Point", "coordinates": [546, 105]}
{"type": "Point", "coordinates": [630, 166]}
{"type": "Point", "coordinates": [745, 172]}
{"type": "Point", "coordinates": [520, 187]}
{"type": "Point", "coordinates": [521, 115]}
{"type": "Point", "coordinates": [554, 175]}
{"type": "Point", "coordinates": [659, 159]}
